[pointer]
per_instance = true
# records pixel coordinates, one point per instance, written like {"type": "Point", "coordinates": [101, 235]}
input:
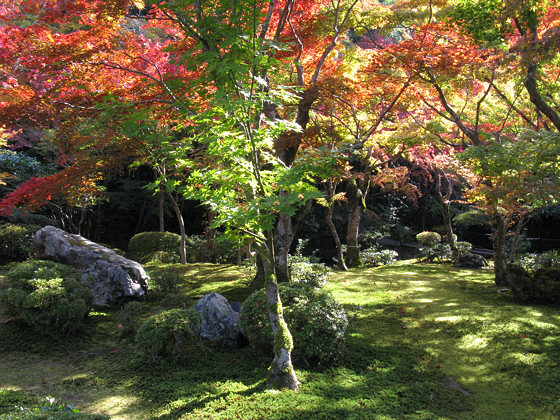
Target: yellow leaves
{"type": "Point", "coordinates": [4, 176]}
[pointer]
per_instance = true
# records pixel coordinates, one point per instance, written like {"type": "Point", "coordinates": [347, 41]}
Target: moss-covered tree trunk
{"type": "Point", "coordinates": [281, 374]}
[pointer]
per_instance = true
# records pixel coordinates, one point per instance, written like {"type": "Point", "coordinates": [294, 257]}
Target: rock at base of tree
{"type": "Point", "coordinates": [115, 278]}
{"type": "Point", "coordinates": [219, 321]}
{"type": "Point", "coordinates": [470, 260]}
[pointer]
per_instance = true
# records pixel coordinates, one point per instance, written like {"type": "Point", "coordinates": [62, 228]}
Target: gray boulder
{"type": "Point", "coordinates": [115, 278]}
{"type": "Point", "coordinates": [219, 321]}
{"type": "Point", "coordinates": [470, 260]}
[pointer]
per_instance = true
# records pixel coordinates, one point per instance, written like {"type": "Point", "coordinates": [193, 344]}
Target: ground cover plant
{"type": "Point", "coordinates": [424, 341]}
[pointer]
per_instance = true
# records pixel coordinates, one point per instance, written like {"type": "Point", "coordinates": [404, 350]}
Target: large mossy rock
{"type": "Point", "coordinates": [470, 260]}
{"type": "Point", "coordinates": [541, 287]}
{"type": "Point", "coordinates": [115, 278]}
{"type": "Point", "coordinates": [219, 321]}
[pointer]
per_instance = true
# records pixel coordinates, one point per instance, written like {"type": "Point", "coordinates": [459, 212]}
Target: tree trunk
{"type": "Point", "coordinates": [161, 208]}
{"type": "Point", "coordinates": [331, 191]}
{"type": "Point", "coordinates": [210, 232]}
{"type": "Point", "coordinates": [334, 233]}
{"type": "Point", "coordinates": [498, 238]}
{"type": "Point", "coordinates": [284, 234]}
{"type": "Point", "coordinates": [517, 234]}
{"type": "Point", "coordinates": [259, 279]}
{"type": "Point", "coordinates": [536, 98]}
{"type": "Point", "coordinates": [283, 238]}
{"type": "Point", "coordinates": [445, 207]}
{"type": "Point", "coordinates": [355, 199]}
{"type": "Point", "coordinates": [181, 221]}
{"type": "Point", "coordinates": [281, 374]}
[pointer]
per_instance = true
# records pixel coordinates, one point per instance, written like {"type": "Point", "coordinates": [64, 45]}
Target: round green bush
{"type": "Point", "coordinates": [463, 246]}
{"type": "Point", "coordinates": [313, 274]}
{"type": "Point", "coordinates": [168, 334]}
{"type": "Point", "coordinates": [48, 296]}
{"type": "Point", "coordinates": [317, 323]}
{"type": "Point", "coordinates": [374, 258]}
{"type": "Point", "coordinates": [147, 246]}
{"type": "Point", "coordinates": [541, 287]}
{"type": "Point", "coordinates": [428, 238]}
{"type": "Point", "coordinates": [15, 241]}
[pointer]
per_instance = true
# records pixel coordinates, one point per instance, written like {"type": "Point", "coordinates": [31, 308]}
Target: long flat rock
{"type": "Point", "coordinates": [115, 278]}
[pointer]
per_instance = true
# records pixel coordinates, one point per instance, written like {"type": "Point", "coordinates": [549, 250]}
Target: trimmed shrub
{"type": "Point", "coordinates": [374, 258]}
{"type": "Point", "coordinates": [158, 246]}
{"type": "Point", "coordinates": [15, 241]}
{"type": "Point", "coordinates": [534, 261]}
{"type": "Point", "coordinates": [313, 274]}
{"type": "Point", "coordinates": [48, 296]}
{"type": "Point", "coordinates": [307, 269]}
{"type": "Point", "coordinates": [168, 334]}
{"type": "Point", "coordinates": [224, 251]}
{"type": "Point", "coordinates": [439, 252]}
{"type": "Point", "coordinates": [463, 247]}
{"type": "Point", "coordinates": [316, 321]}
{"type": "Point", "coordinates": [471, 218]}
{"type": "Point", "coordinates": [541, 287]}
{"type": "Point", "coordinates": [166, 282]}
{"type": "Point", "coordinates": [428, 238]}
{"type": "Point", "coordinates": [129, 318]}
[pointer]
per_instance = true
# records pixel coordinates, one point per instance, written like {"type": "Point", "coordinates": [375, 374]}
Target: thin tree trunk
{"type": "Point", "coordinates": [210, 232]}
{"type": "Point", "coordinates": [355, 199]}
{"type": "Point", "coordinates": [498, 238]}
{"type": "Point", "coordinates": [516, 236]}
{"type": "Point", "coordinates": [283, 239]}
{"type": "Point", "coordinates": [331, 191]}
{"type": "Point", "coordinates": [334, 233]}
{"type": "Point", "coordinates": [445, 212]}
{"type": "Point", "coordinates": [181, 221]}
{"type": "Point", "coordinates": [161, 197]}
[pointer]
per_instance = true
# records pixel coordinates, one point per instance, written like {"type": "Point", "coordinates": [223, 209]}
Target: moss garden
{"type": "Point", "coordinates": [424, 341]}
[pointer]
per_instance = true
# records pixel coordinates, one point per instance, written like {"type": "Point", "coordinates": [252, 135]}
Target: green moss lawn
{"type": "Point", "coordinates": [425, 342]}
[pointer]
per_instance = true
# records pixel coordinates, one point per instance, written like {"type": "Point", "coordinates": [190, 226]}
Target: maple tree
{"type": "Point", "coordinates": [201, 74]}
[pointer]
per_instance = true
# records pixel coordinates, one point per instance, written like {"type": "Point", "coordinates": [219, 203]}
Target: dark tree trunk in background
{"type": "Point", "coordinates": [356, 191]}
{"type": "Point", "coordinates": [499, 238]}
{"type": "Point", "coordinates": [161, 209]}
{"type": "Point", "coordinates": [517, 235]}
{"type": "Point", "coordinates": [181, 221]}
{"type": "Point", "coordinates": [445, 202]}
{"type": "Point", "coordinates": [331, 191]}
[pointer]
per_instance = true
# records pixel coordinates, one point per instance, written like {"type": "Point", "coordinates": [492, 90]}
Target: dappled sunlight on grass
{"type": "Point", "coordinates": [425, 341]}
{"type": "Point", "coordinates": [468, 331]}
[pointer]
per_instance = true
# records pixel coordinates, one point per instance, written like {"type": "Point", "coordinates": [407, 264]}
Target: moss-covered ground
{"type": "Point", "coordinates": [425, 342]}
